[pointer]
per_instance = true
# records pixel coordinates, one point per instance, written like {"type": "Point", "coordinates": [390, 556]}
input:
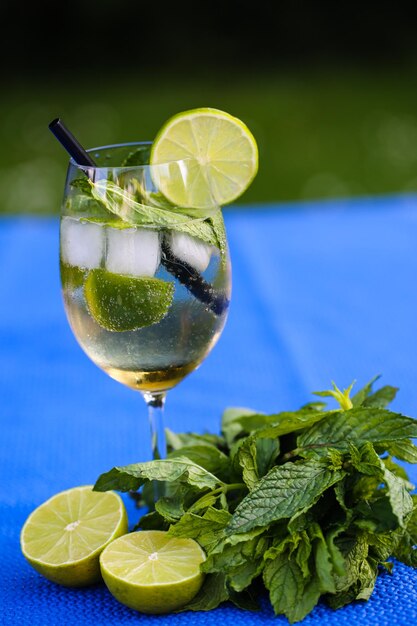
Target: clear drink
{"type": "Point", "coordinates": [144, 356]}
{"type": "Point", "coordinates": [146, 281]}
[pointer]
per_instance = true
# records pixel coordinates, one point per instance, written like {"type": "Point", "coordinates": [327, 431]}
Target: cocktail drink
{"type": "Point", "coordinates": [154, 331]}
{"type": "Point", "coordinates": [146, 304]}
{"type": "Point", "coordinates": [144, 261]}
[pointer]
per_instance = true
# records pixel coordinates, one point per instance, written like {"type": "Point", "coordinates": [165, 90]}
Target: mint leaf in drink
{"type": "Point", "coordinates": [122, 203]}
{"type": "Point", "coordinates": [217, 224]}
{"type": "Point", "coordinates": [80, 201]}
{"type": "Point", "coordinates": [106, 202]}
{"type": "Point", "coordinates": [138, 156]}
{"type": "Point", "coordinates": [81, 204]}
{"type": "Point", "coordinates": [82, 184]}
{"type": "Point", "coordinates": [309, 505]}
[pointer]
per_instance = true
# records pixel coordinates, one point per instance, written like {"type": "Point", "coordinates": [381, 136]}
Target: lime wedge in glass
{"type": "Point", "coordinates": [219, 153]}
{"type": "Point", "coordinates": [119, 303]}
{"type": "Point", "coordinates": [63, 538]}
{"type": "Point", "coordinates": [152, 572]}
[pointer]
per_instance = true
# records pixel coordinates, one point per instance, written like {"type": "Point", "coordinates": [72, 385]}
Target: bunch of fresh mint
{"type": "Point", "coordinates": [308, 504]}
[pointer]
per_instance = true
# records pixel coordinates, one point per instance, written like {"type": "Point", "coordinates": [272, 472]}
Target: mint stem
{"type": "Point", "coordinates": [225, 488]}
{"type": "Point", "coordinates": [234, 486]}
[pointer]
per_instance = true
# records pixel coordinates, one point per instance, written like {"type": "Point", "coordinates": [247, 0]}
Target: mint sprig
{"type": "Point", "coordinates": [126, 207]}
{"type": "Point", "coordinates": [306, 505]}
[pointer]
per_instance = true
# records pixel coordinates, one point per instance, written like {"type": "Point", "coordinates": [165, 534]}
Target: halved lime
{"type": "Point", "coordinates": [63, 538]}
{"type": "Point", "coordinates": [119, 303]}
{"type": "Point", "coordinates": [219, 153]}
{"type": "Point", "coordinates": [152, 572]}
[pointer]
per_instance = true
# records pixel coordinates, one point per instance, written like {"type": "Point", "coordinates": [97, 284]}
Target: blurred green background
{"type": "Point", "coordinates": [331, 100]}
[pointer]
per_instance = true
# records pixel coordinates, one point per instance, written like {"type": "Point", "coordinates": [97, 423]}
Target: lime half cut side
{"type": "Point", "coordinates": [63, 538]}
{"type": "Point", "coordinates": [152, 572]}
{"type": "Point", "coordinates": [217, 155]}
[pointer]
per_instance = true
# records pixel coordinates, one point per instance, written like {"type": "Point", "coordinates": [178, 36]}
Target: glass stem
{"type": "Point", "coordinates": [155, 402]}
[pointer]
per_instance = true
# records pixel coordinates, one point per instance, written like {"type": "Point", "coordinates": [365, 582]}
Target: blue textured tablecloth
{"type": "Point", "coordinates": [322, 291]}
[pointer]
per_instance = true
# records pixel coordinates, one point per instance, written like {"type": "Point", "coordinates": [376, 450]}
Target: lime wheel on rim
{"type": "Point", "coordinates": [219, 158]}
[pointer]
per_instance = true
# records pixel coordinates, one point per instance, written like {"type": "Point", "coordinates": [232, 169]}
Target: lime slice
{"type": "Point", "coordinates": [63, 538]}
{"type": "Point", "coordinates": [120, 303]}
{"type": "Point", "coordinates": [220, 158]}
{"type": "Point", "coordinates": [152, 572]}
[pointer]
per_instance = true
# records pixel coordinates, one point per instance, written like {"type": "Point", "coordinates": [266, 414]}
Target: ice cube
{"type": "Point", "coordinates": [191, 250]}
{"type": "Point", "coordinates": [133, 251]}
{"type": "Point", "coordinates": [82, 243]}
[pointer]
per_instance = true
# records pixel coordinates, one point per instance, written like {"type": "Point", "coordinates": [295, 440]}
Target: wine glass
{"type": "Point", "coordinates": [146, 284]}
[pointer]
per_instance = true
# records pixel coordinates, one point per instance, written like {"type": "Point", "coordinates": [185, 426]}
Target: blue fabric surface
{"type": "Point", "coordinates": [322, 291]}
